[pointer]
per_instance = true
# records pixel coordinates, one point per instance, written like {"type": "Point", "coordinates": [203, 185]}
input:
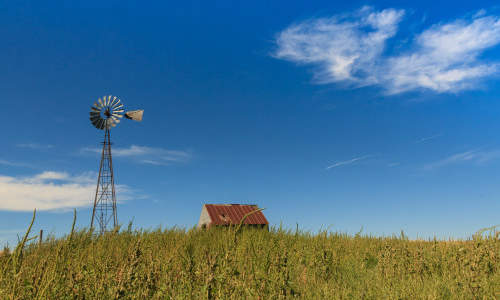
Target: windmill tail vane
{"type": "Point", "coordinates": [105, 114]}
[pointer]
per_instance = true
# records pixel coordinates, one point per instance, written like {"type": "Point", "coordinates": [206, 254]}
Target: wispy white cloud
{"type": "Point", "coordinates": [51, 175]}
{"type": "Point", "coordinates": [13, 163]}
{"type": "Point", "coordinates": [160, 153]}
{"type": "Point", "coordinates": [51, 191]}
{"type": "Point", "coordinates": [446, 57]}
{"type": "Point", "coordinates": [35, 146]}
{"type": "Point", "coordinates": [428, 138]}
{"type": "Point", "coordinates": [147, 155]}
{"type": "Point", "coordinates": [155, 162]}
{"type": "Point", "coordinates": [475, 156]}
{"type": "Point", "coordinates": [350, 49]}
{"type": "Point", "coordinates": [340, 46]}
{"type": "Point", "coordinates": [347, 162]}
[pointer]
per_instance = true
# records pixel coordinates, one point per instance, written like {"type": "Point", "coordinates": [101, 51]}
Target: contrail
{"type": "Point", "coordinates": [347, 162]}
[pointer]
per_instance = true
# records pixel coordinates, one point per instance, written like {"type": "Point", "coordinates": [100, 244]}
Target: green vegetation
{"type": "Point", "coordinates": [245, 263]}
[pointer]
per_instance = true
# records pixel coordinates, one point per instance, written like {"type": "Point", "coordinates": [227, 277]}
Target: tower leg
{"type": "Point", "coordinates": [105, 198]}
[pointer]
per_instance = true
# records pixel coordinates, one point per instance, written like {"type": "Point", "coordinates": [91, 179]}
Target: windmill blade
{"type": "Point", "coordinates": [116, 103]}
{"type": "Point", "coordinates": [115, 119]}
{"type": "Point", "coordinates": [113, 102]}
{"type": "Point", "coordinates": [100, 102]}
{"type": "Point", "coordinates": [118, 107]}
{"type": "Point", "coordinates": [118, 111]}
{"type": "Point", "coordinates": [135, 115]}
{"type": "Point", "coordinates": [118, 115]}
{"type": "Point", "coordinates": [109, 99]}
{"type": "Point", "coordinates": [95, 109]}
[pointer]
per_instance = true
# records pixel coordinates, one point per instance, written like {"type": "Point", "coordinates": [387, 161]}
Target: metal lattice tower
{"type": "Point", "coordinates": [105, 198]}
{"type": "Point", "coordinates": [104, 114]}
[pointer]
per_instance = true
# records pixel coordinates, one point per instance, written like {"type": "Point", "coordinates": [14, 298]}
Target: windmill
{"type": "Point", "coordinates": [105, 114]}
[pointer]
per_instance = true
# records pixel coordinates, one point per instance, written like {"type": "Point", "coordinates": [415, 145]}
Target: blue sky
{"type": "Point", "coordinates": [379, 115]}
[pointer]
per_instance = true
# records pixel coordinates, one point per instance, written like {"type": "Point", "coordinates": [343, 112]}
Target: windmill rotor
{"type": "Point", "coordinates": [108, 111]}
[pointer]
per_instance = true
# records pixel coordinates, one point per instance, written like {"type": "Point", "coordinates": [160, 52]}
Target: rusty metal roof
{"type": "Point", "coordinates": [228, 214]}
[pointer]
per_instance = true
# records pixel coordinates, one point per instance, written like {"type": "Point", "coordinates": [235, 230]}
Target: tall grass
{"type": "Point", "coordinates": [225, 263]}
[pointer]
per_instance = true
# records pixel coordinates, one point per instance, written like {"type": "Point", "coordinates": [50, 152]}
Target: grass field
{"type": "Point", "coordinates": [249, 264]}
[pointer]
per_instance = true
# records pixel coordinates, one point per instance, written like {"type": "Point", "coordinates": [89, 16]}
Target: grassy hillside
{"type": "Point", "coordinates": [251, 264]}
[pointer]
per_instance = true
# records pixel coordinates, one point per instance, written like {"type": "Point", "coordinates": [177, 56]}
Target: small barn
{"type": "Point", "coordinates": [231, 214]}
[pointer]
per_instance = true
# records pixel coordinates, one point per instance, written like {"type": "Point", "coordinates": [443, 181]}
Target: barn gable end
{"type": "Point", "coordinates": [231, 214]}
{"type": "Point", "coordinates": [204, 218]}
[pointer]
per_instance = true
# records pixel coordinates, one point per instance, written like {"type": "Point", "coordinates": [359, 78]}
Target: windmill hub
{"type": "Point", "coordinates": [104, 114]}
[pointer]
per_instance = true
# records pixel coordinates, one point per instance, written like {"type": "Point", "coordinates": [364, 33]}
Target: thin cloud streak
{"type": "Point", "coordinates": [347, 162]}
{"type": "Point", "coordinates": [349, 49]}
{"type": "Point", "coordinates": [35, 146]}
{"type": "Point", "coordinates": [154, 162]}
{"type": "Point", "coordinates": [147, 155]}
{"type": "Point", "coordinates": [474, 156]}
{"type": "Point", "coordinates": [425, 139]}
{"type": "Point", "coordinates": [14, 164]}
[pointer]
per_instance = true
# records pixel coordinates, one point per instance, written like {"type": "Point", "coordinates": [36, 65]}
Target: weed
{"type": "Point", "coordinates": [249, 263]}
